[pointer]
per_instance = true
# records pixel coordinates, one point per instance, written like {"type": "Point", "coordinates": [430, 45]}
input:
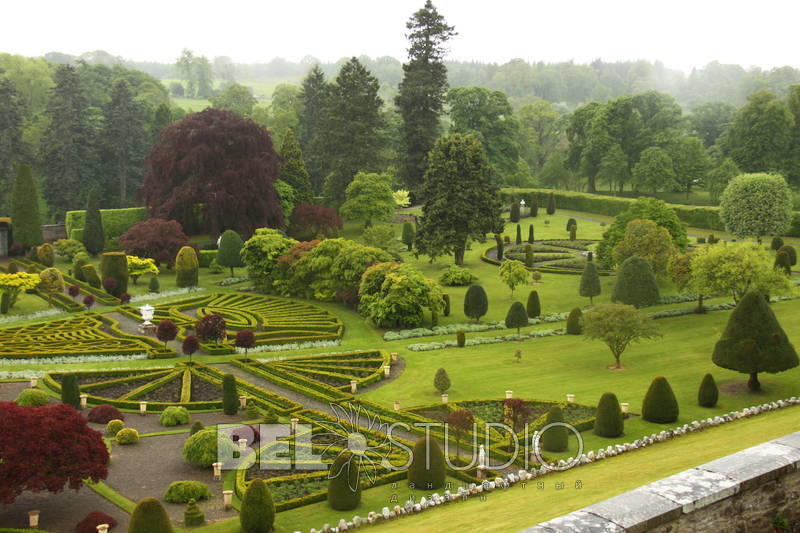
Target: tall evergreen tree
{"type": "Point", "coordinates": [25, 209]}
{"type": "Point", "coordinates": [313, 97]}
{"type": "Point", "coordinates": [461, 199]}
{"type": "Point", "coordinates": [350, 128]}
{"type": "Point", "coordinates": [124, 140]}
{"type": "Point", "coordinates": [293, 170]}
{"type": "Point", "coordinates": [421, 94]}
{"type": "Point", "coordinates": [11, 115]}
{"type": "Point", "coordinates": [590, 282]}
{"type": "Point", "coordinates": [93, 235]}
{"type": "Point", "coordinates": [161, 119]}
{"type": "Point", "coordinates": [67, 149]}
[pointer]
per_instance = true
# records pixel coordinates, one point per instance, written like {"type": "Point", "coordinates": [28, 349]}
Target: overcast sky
{"type": "Point", "coordinates": [681, 33]}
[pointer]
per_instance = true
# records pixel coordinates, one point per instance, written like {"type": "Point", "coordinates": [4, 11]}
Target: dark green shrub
{"type": "Point", "coordinates": [90, 276]}
{"type": "Point", "coordinates": [701, 240]}
{"type": "Point", "coordinates": [609, 421]}
{"type": "Point", "coordinates": [506, 239]}
{"type": "Point", "coordinates": [555, 439]}
{"type": "Point", "coordinates": [408, 235]}
{"type": "Point", "coordinates": [708, 394]}
{"type": "Point", "coordinates": [528, 255]}
{"type": "Point", "coordinates": [514, 216]}
{"type": "Point", "coordinates": [636, 284]}
{"type": "Point", "coordinates": [45, 254]}
{"type": "Point", "coordinates": [114, 265]}
{"type": "Point", "coordinates": [230, 397]}
{"type": "Point", "coordinates": [791, 252]}
{"type": "Point", "coordinates": [427, 470]}
{"type": "Point", "coordinates": [32, 398]}
{"type": "Point", "coordinates": [476, 303]}
{"type": "Point", "coordinates": [572, 233]}
{"type": "Point", "coordinates": [530, 233]}
{"type": "Point", "coordinates": [570, 223]}
{"type": "Point", "coordinates": [551, 204]}
{"type": "Point", "coordinates": [25, 209]}
{"type": "Point", "coordinates": [230, 244]}
{"type": "Point", "coordinates": [519, 235]}
{"type": "Point", "coordinates": [5, 303]}
{"type": "Point", "coordinates": [534, 307]}
{"type": "Point", "coordinates": [252, 411]}
{"type": "Point", "coordinates": [257, 513]}
{"type": "Point", "coordinates": [153, 285]}
{"type": "Point", "coordinates": [783, 262]}
{"type": "Point", "coordinates": [344, 486]}
{"type": "Point", "coordinates": [196, 427]}
{"type": "Point", "coordinates": [461, 338]}
{"type": "Point", "coordinates": [712, 239]}
{"type": "Point", "coordinates": [126, 436]}
{"type": "Point", "coordinates": [149, 516]}
{"type": "Point", "coordinates": [441, 381]}
{"type": "Point", "coordinates": [80, 261]}
{"type": "Point", "coordinates": [113, 427]}
{"type": "Point", "coordinates": [193, 516]}
{"type": "Point", "coordinates": [174, 415]}
{"type": "Point", "coordinates": [187, 267]}
{"type": "Point", "coordinates": [500, 246]}
{"type": "Point", "coordinates": [446, 298]}
{"type": "Point", "coordinates": [660, 405]}
{"type": "Point", "coordinates": [517, 316]}
{"type": "Point", "coordinates": [590, 281]}
{"type": "Point", "coordinates": [777, 243]}
{"type": "Point", "coordinates": [183, 491]}
{"type": "Point", "coordinates": [70, 393]}
{"type": "Point", "coordinates": [269, 416]}
{"type": "Point", "coordinates": [574, 326]}
{"type": "Point", "coordinates": [93, 235]}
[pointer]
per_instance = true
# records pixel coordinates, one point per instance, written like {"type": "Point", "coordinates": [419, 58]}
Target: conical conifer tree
{"type": "Point", "coordinates": [25, 209]}
{"type": "Point", "coordinates": [293, 169]}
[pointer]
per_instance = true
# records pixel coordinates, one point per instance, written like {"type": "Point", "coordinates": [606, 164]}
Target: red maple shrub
{"type": "Point", "coordinates": [71, 452]}
{"type": "Point", "coordinates": [110, 284]}
{"type": "Point", "coordinates": [211, 328]}
{"type": "Point", "coordinates": [104, 413]}
{"type": "Point", "coordinates": [166, 331]}
{"type": "Point", "coordinates": [310, 221]}
{"type": "Point", "coordinates": [245, 339]}
{"type": "Point", "coordinates": [220, 160]}
{"type": "Point", "coordinates": [156, 238]}
{"type": "Point", "coordinates": [74, 291]}
{"type": "Point", "coordinates": [88, 301]}
{"type": "Point", "coordinates": [190, 345]}
{"type": "Point", "coordinates": [517, 412]}
{"type": "Point", "coordinates": [94, 519]}
{"type": "Point", "coordinates": [125, 298]}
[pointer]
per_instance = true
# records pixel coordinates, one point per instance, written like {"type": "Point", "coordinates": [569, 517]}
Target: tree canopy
{"type": "Point", "coordinates": [755, 205]}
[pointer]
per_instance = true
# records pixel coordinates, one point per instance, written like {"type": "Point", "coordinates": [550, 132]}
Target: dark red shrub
{"type": "Point", "coordinates": [166, 331]}
{"type": "Point", "coordinates": [125, 298]}
{"type": "Point", "coordinates": [190, 344]}
{"type": "Point", "coordinates": [110, 284]}
{"type": "Point", "coordinates": [88, 301]}
{"type": "Point", "coordinates": [94, 519]}
{"type": "Point", "coordinates": [245, 339]}
{"type": "Point", "coordinates": [211, 328]}
{"type": "Point", "coordinates": [155, 238]}
{"type": "Point", "coordinates": [313, 221]}
{"type": "Point", "coordinates": [74, 291]}
{"type": "Point", "coordinates": [248, 432]}
{"type": "Point", "coordinates": [104, 413]}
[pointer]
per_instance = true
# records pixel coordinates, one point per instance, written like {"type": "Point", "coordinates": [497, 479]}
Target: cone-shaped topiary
{"type": "Point", "coordinates": [754, 341]}
{"type": "Point", "coordinates": [517, 316]}
{"type": "Point", "coordinates": [441, 380]}
{"type": "Point", "coordinates": [149, 516]}
{"type": "Point", "coordinates": [534, 307]}
{"type": "Point", "coordinates": [514, 215]}
{"type": "Point", "coordinates": [257, 513]}
{"type": "Point", "coordinates": [25, 209]}
{"type": "Point", "coordinates": [114, 265]}
{"type": "Point", "coordinates": [708, 394]}
{"type": "Point", "coordinates": [5, 303]}
{"type": "Point", "coordinates": [609, 421]}
{"type": "Point", "coordinates": [636, 284]}
{"type": "Point", "coordinates": [555, 439]}
{"type": "Point", "coordinates": [791, 252]}
{"type": "Point", "coordinates": [534, 204]}
{"type": "Point", "coordinates": [574, 326]}
{"type": "Point", "coordinates": [776, 244]}
{"type": "Point", "coordinates": [660, 405]}
{"type": "Point", "coordinates": [187, 267]}
{"type": "Point", "coordinates": [528, 255]}
{"type": "Point", "coordinates": [530, 233]}
{"type": "Point", "coordinates": [500, 247]}
{"type": "Point", "coordinates": [519, 235]}
{"type": "Point", "coordinates": [590, 281]}
{"type": "Point", "coordinates": [427, 470]}
{"type": "Point", "coordinates": [70, 393]}
{"type": "Point", "coordinates": [90, 276]}
{"type": "Point", "coordinates": [193, 516]}
{"type": "Point", "coordinates": [446, 298]}
{"type": "Point", "coordinates": [551, 204]}
{"type": "Point", "coordinates": [153, 285]}
{"type": "Point", "coordinates": [230, 246]}
{"type": "Point", "coordinates": [344, 486]}
{"type": "Point", "coordinates": [476, 303]}
{"type": "Point", "coordinates": [230, 398]}
{"type": "Point", "coordinates": [93, 234]}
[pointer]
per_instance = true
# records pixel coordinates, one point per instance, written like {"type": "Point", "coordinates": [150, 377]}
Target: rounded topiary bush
{"type": "Point", "coordinates": [203, 448]}
{"type": "Point", "coordinates": [183, 491]}
{"type": "Point", "coordinates": [430, 474]}
{"type": "Point", "coordinates": [104, 413]}
{"type": "Point", "coordinates": [174, 415]}
{"type": "Point", "coordinates": [127, 436]}
{"type": "Point", "coordinates": [609, 421]}
{"type": "Point", "coordinates": [187, 267]}
{"type": "Point", "coordinates": [574, 326]}
{"type": "Point", "coordinates": [149, 516]}
{"type": "Point", "coordinates": [660, 405]}
{"type": "Point", "coordinates": [70, 392]}
{"type": "Point", "coordinates": [344, 486]}
{"type": "Point", "coordinates": [32, 398]}
{"type": "Point", "coordinates": [114, 265]}
{"type": "Point", "coordinates": [45, 254]}
{"type": "Point", "coordinates": [257, 514]}
{"type": "Point", "coordinates": [708, 395]}
{"type": "Point", "coordinates": [555, 439]}
{"type": "Point", "coordinates": [441, 380]}
{"type": "Point", "coordinates": [636, 283]}
{"type": "Point", "coordinates": [113, 427]}
{"type": "Point", "coordinates": [92, 520]}
{"type": "Point", "coordinates": [791, 252]}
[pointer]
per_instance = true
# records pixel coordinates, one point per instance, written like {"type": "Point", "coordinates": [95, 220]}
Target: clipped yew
{"type": "Point", "coordinates": [551, 204]}
{"type": "Point", "coordinates": [70, 393]}
{"type": "Point", "coordinates": [530, 233]}
{"type": "Point", "coordinates": [409, 233]}
{"type": "Point", "coordinates": [519, 235]}
{"type": "Point", "coordinates": [257, 513]}
{"type": "Point", "coordinates": [791, 252]}
{"type": "Point", "coordinates": [344, 485]}
{"type": "Point", "coordinates": [555, 439]}
{"type": "Point", "coordinates": [534, 307]}
{"type": "Point", "coordinates": [149, 516]}
{"type": "Point", "coordinates": [590, 281]}
{"type": "Point", "coordinates": [609, 421]}
{"type": "Point", "coordinates": [230, 246]}
{"type": "Point", "coordinates": [660, 405]}
{"type": "Point", "coordinates": [636, 284]}
{"type": "Point", "coordinates": [187, 268]}
{"type": "Point", "coordinates": [114, 265]}
{"type": "Point", "coordinates": [441, 380]}
{"type": "Point", "coordinates": [476, 303]}
{"type": "Point", "coordinates": [574, 326]}
{"type": "Point", "coordinates": [230, 397]}
{"type": "Point", "coordinates": [517, 316]}
{"type": "Point", "coordinates": [427, 469]}
{"type": "Point", "coordinates": [708, 394]}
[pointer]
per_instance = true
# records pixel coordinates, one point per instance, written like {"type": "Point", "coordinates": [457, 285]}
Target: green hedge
{"type": "Point", "coordinates": [545, 269]}
{"type": "Point", "coordinates": [704, 217]}
{"type": "Point", "coordinates": [115, 221]}
{"type": "Point", "coordinates": [100, 296]}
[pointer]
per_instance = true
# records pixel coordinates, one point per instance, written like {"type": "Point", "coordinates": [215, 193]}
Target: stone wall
{"type": "Point", "coordinates": [740, 493]}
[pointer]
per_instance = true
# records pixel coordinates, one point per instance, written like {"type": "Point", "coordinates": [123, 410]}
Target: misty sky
{"type": "Point", "coordinates": [681, 33]}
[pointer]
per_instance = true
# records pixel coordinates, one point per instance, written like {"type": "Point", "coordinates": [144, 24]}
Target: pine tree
{"type": "Point", "coordinates": [590, 282]}
{"type": "Point", "coordinates": [93, 233]}
{"type": "Point", "coordinates": [25, 209]}
{"type": "Point", "coordinates": [754, 341]}
{"type": "Point", "coordinates": [293, 169]}
{"type": "Point", "coordinates": [230, 246]}
{"type": "Point", "coordinates": [421, 93]}
{"type": "Point", "coordinates": [476, 303]}
{"type": "Point", "coordinates": [11, 146]}
{"type": "Point", "coordinates": [534, 307]}
{"type": "Point", "coordinates": [257, 513]}
{"type": "Point", "coordinates": [636, 284]}
{"type": "Point", "coordinates": [461, 198]}
{"type": "Point", "coordinates": [161, 119]}
{"type": "Point", "coordinates": [517, 316]}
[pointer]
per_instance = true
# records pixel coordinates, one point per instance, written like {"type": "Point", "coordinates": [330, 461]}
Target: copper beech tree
{"type": "Point", "coordinates": [214, 170]}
